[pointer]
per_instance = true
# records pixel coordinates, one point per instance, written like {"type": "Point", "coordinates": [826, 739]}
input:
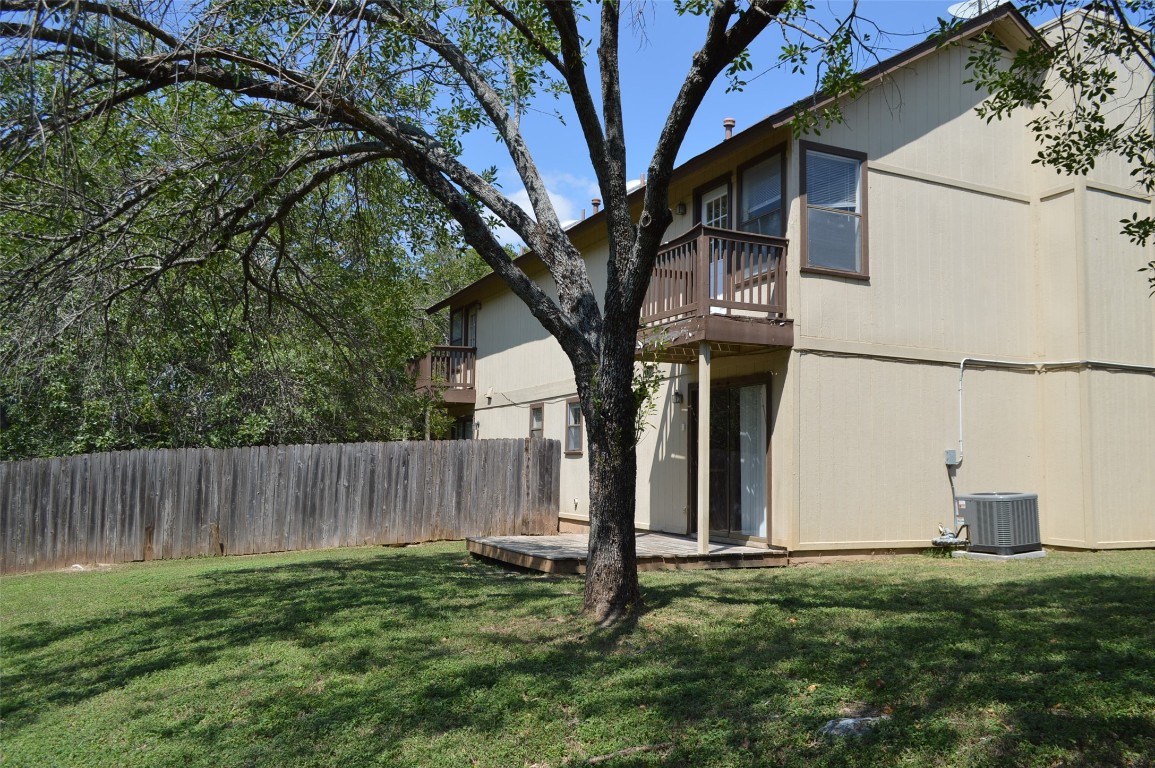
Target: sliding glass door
{"type": "Point", "coordinates": [739, 439]}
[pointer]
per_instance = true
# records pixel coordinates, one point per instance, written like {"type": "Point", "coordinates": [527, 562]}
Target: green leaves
{"type": "Point", "coordinates": [739, 65]}
{"type": "Point", "coordinates": [693, 7]}
{"type": "Point", "coordinates": [159, 291]}
{"type": "Point", "coordinates": [833, 55]}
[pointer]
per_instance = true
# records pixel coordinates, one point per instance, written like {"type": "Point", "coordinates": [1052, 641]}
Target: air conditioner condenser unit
{"type": "Point", "coordinates": [1001, 523]}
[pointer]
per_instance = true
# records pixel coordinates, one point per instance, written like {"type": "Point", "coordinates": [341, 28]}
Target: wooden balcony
{"type": "Point", "coordinates": [720, 286]}
{"type": "Point", "coordinates": [450, 370]}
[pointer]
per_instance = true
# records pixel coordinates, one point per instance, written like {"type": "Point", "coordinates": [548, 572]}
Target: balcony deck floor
{"type": "Point", "coordinates": [566, 552]}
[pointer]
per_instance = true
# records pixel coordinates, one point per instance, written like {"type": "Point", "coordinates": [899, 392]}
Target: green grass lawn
{"type": "Point", "coordinates": [424, 656]}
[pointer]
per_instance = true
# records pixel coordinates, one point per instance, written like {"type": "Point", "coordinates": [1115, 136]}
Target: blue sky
{"type": "Point", "coordinates": [653, 65]}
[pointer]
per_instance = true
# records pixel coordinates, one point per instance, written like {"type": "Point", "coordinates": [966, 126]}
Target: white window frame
{"type": "Point", "coordinates": [573, 427]}
{"type": "Point", "coordinates": [720, 192]}
{"type": "Point", "coordinates": [539, 430]}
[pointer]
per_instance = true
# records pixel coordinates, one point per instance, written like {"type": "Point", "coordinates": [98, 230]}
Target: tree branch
{"type": "Point", "coordinates": [100, 9]}
{"type": "Point", "coordinates": [562, 16]}
{"type": "Point", "coordinates": [555, 319]}
{"type": "Point", "coordinates": [491, 103]}
{"type": "Point", "coordinates": [1143, 47]}
{"type": "Point", "coordinates": [721, 46]}
{"type": "Point", "coordinates": [533, 40]}
{"type": "Point", "coordinates": [289, 88]}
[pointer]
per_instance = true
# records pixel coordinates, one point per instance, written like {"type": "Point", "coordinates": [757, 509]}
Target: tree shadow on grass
{"type": "Point", "coordinates": [221, 611]}
{"type": "Point", "coordinates": [1017, 672]}
{"type": "Point", "coordinates": [427, 658]}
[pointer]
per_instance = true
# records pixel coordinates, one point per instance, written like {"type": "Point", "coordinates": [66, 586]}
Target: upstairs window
{"type": "Point", "coordinates": [463, 327]}
{"type": "Point", "coordinates": [761, 197]}
{"type": "Point", "coordinates": [716, 207]}
{"type": "Point", "coordinates": [573, 426]}
{"type": "Point", "coordinates": [834, 227]}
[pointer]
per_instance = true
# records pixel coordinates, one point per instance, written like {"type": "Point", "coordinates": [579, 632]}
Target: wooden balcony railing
{"type": "Point", "coordinates": [449, 368]}
{"type": "Point", "coordinates": [709, 271]}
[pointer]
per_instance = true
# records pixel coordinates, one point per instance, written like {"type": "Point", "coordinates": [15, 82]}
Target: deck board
{"type": "Point", "coordinates": [566, 552]}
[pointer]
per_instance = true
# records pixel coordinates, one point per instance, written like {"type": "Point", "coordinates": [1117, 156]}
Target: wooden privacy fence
{"type": "Point", "coordinates": [144, 505]}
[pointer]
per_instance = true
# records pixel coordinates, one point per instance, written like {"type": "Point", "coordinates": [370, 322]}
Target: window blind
{"type": "Point", "coordinates": [832, 181]}
{"type": "Point", "coordinates": [761, 187]}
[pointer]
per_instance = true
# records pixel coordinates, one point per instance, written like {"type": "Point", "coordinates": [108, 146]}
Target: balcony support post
{"type": "Point", "coordinates": [702, 279]}
{"type": "Point", "coordinates": [703, 448]}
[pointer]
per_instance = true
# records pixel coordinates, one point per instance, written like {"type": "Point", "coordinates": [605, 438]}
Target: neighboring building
{"type": "Point", "coordinates": [838, 283]}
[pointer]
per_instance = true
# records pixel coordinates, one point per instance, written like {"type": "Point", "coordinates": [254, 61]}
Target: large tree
{"type": "Point", "coordinates": [321, 91]}
{"type": "Point", "coordinates": [1090, 80]}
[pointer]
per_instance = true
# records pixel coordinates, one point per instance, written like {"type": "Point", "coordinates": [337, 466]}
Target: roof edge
{"type": "Point", "coordinates": [868, 76]}
{"type": "Point", "coordinates": [483, 284]}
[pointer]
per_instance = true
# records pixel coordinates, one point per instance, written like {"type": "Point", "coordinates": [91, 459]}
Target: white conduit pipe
{"type": "Point", "coordinates": [1038, 367]}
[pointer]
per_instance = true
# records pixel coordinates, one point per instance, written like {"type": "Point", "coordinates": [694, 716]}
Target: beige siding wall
{"type": "Point", "coordinates": [950, 223]}
{"type": "Point", "coordinates": [663, 459]}
{"type": "Point", "coordinates": [922, 120]}
{"type": "Point", "coordinates": [938, 281]}
{"type": "Point", "coordinates": [1064, 513]}
{"type": "Point", "coordinates": [849, 494]}
{"type": "Point", "coordinates": [1059, 265]}
{"type": "Point", "coordinates": [1120, 458]}
{"type": "Point", "coordinates": [1119, 317]}
{"type": "Point", "coordinates": [515, 355]}
{"type": "Point", "coordinates": [1132, 83]}
{"type": "Point", "coordinates": [972, 254]}
{"type": "Point", "coordinates": [871, 451]}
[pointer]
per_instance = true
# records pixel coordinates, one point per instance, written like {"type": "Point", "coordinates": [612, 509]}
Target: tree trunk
{"type": "Point", "coordinates": [608, 403]}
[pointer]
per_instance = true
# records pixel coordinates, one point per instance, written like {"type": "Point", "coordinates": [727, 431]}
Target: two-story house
{"type": "Point", "coordinates": [835, 313]}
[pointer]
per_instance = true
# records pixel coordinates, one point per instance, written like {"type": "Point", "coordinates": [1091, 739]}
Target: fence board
{"type": "Point", "coordinates": [30, 535]}
{"type": "Point", "coordinates": [376, 502]}
{"type": "Point", "coordinates": [388, 492]}
{"type": "Point", "coordinates": [102, 513]}
{"type": "Point", "coordinates": [141, 505]}
{"type": "Point", "coordinates": [360, 482]}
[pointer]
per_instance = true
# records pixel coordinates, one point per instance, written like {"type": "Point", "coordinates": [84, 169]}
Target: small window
{"type": "Point", "coordinates": [716, 207]}
{"type": "Point", "coordinates": [573, 426]}
{"type": "Point", "coordinates": [761, 202]}
{"type": "Point", "coordinates": [834, 225]}
{"type": "Point", "coordinates": [457, 328]}
{"type": "Point", "coordinates": [462, 428]}
{"type": "Point", "coordinates": [463, 326]}
{"type": "Point", "coordinates": [537, 420]}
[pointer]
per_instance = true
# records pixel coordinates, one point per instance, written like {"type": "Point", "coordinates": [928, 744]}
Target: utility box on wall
{"type": "Point", "coordinates": [1001, 523]}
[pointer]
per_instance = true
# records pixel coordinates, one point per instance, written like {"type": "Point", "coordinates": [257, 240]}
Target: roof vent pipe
{"type": "Point", "coordinates": [596, 202]}
{"type": "Point", "coordinates": [729, 124]}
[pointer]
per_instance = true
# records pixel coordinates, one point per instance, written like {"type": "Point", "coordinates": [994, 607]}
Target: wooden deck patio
{"type": "Point", "coordinates": [566, 553]}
